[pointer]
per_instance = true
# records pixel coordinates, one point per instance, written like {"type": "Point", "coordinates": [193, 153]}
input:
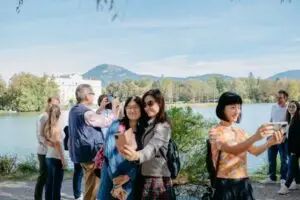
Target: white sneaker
{"type": "Point", "coordinates": [267, 181]}
{"type": "Point", "coordinates": [283, 190]}
{"type": "Point", "coordinates": [80, 198]}
{"type": "Point", "coordinates": [282, 182]}
{"type": "Point", "coordinates": [294, 186]}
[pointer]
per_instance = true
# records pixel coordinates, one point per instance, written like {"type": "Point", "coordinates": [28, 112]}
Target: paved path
{"type": "Point", "coordinates": [22, 190]}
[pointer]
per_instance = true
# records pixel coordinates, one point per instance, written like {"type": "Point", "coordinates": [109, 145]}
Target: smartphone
{"type": "Point", "coordinates": [279, 125]}
{"type": "Point", "coordinates": [110, 98]}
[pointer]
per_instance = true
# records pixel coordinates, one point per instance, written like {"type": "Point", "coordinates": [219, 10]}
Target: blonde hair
{"type": "Point", "coordinates": [52, 123]}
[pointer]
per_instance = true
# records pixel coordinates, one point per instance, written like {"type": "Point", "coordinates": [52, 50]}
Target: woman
{"type": "Point", "coordinates": [233, 144]}
{"type": "Point", "coordinates": [293, 119]}
{"type": "Point", "coordinates": [118, 175]}
{"type": "Point", "coordinates": [156, 175]}
{"type": "Point", "coordinates": [42, 149]}
{"type": "Point", "coordinates": [55, 159]}
{"type": "Point", "coordinates": [105, 108]}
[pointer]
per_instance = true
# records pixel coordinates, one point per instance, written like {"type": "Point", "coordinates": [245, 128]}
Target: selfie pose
{"type": "Point", "coordinates": [118, 176]}
{"type": "Point", "coordinates": [154, 167]}
{"type": "Point", "coordinates": [293, 119]}
{"type": "Point", "coordinates": [232, 144]}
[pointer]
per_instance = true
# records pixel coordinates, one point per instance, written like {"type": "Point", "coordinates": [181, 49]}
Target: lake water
{"type": "Point", "coordinates": [18, 131]}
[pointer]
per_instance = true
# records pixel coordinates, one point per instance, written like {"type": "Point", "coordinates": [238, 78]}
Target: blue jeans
{"type": "Point", "coordinates": [272, 157]}
{"type": "Point", "coordinates": [77, 179]}
{"type": "Point", "coordinates": [55, 174]}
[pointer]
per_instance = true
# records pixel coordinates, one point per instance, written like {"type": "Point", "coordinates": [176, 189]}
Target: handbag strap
{"type": "Point", "coordinates": [217, 166]}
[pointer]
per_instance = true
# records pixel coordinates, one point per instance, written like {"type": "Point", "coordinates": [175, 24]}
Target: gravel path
{"type": "Point", "coordinates": [21, 190]}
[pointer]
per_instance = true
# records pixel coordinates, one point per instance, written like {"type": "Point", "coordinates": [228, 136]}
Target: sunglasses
{"type": "Point", "coordinates": [148, 104]}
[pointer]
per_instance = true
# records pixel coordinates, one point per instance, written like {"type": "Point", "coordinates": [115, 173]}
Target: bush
{"type": "Point", "coordinates": [30, 165]}
{"type": "Point", "coordinates": [190, 131]}
{"type": "Point", "coordinates": [8, 164]}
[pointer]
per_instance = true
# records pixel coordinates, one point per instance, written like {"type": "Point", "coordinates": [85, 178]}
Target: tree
{"type": "Point", "coordinates": [29, 93]}
{"type": "Point", "coordinates": [221, 84]}
{"type": "Point", "coordinates": [3, 91]}
{"type": "Point", "coordinates": [293, 90]}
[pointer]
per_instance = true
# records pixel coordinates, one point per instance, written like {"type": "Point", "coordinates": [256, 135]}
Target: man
{"type": "Point", "coordinates": [278, 114]}
{"type": "Point", "coordinates": [85, 140]}
{"type": "Point", "coordinates": [42, 149]}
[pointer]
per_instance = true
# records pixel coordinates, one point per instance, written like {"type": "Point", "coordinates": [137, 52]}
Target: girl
{"type": "Point", "coordinates": [156, 175]}
{"type": "Point", "coordinates": [232, 144]}
{"type": "Point", "coordinates": [55, 159]}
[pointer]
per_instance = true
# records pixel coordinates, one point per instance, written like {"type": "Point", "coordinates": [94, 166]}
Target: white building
{"type": "Point", "coordinates": [68, 84]}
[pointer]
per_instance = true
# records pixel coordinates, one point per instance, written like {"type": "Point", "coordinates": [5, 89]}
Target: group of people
{"type": "Point", "coordinates": [133, 144]}
{"type": "Point", "coordinates": [288, 150]}
{"type": "Point", "coordinates": [121, 150]}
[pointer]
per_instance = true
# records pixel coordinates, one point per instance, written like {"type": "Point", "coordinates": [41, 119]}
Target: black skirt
{"type": "Point", "coordinates": [233, 189]}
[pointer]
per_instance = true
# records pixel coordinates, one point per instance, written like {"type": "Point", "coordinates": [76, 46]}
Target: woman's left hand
{"type": "Point", "coordinates": [130, 154]}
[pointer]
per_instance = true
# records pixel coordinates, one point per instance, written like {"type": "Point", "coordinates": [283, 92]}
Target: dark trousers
{"type": "Point", "coordinates": [54, 179]}
{"type": "Point", "coordinates": [294, 171]}
{"type": "Point", "coordinates": [272, 157]}
{"type": "Point", "coordinates": [77, 180]}
{"type": "Point", "coordinates": [41, 181]}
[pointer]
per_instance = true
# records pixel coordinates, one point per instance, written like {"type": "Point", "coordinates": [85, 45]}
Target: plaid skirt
{"type": "Point", "coordinates": [158, 189]}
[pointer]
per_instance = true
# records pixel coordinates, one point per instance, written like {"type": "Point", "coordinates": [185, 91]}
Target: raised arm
{"type": "Point", "coordinates": [161, 137]}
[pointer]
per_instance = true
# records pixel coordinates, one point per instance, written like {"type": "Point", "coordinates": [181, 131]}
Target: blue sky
{"type": "Point", "coordinates": [174, 38]}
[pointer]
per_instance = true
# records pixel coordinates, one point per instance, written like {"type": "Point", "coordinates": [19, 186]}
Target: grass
{"type": "Point", "coordinates": [27, 169]}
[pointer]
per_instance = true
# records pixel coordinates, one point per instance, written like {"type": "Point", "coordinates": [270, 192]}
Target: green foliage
{"type": "Point", "coordinates": [29, 165]}
{"type": "Point", "coordinates": [27, 92]}
{"type": "Point", "coordinates": [190, 131]}
{"type": "Point", "coordinates": [8, 164]}
{"type": "Point", "coordinates": [251, 89]}
{"type": "Point", "coordinates": [3, 91]}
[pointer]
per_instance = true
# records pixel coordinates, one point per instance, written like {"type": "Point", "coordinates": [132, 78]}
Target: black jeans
{"type": "Point", "coordinates": [41, 181]}
{"type": "Point", "coordinates": [54, 179]}
{"type": "Point", "coordinates": [77, 180]}
{"type": "Point", "coordinates": [294, 171]}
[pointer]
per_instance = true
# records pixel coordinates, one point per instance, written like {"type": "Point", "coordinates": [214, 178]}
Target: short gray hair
{"type": "Point", "coordinates": [82, 91]}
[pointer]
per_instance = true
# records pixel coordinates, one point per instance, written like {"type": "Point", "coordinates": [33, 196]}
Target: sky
{"type": "Point", "coordinates": [173, 38]}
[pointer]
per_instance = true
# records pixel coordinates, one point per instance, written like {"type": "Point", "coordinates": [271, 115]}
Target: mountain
{"type": "Point", "coordinates": [290, 74]}
{"type": "Point", "coordinates": [111, 73]}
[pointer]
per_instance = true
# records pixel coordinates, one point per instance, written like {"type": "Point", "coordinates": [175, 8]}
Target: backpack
{"type": "Point", "coordinates": [172, 158]}
{"type": "Point", "coordinates": [212, 171]}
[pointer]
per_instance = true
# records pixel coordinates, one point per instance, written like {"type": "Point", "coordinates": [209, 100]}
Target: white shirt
{"type": "Point", "coordinates": [278, 113]}
{"type": "Point", "coordinates": [42, 147]}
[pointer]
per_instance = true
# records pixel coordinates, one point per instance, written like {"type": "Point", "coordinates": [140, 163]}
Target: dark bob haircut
{"type": "Point", "coordinates": [228, 98]}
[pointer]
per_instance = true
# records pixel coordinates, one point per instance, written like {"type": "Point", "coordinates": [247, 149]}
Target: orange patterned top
{"type": "Point", "coordinates": [230, 166]}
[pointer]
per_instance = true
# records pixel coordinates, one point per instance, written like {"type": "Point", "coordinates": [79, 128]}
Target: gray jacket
{"type": "Point", "coordinates": [156, 137]}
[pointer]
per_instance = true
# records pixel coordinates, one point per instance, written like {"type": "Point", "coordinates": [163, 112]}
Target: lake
{"type": "Point", "coordinates": [18, 135]}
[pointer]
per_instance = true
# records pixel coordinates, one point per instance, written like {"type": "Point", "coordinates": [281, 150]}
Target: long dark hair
{"type": "Point", "coordinates": [143, 119]}
{"type": "Point", "coordinates": [160, 100]}
{"type": "Point", "coordinates": [296, 116]}
{"type": "Point", "coordinates": [142, 122]}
